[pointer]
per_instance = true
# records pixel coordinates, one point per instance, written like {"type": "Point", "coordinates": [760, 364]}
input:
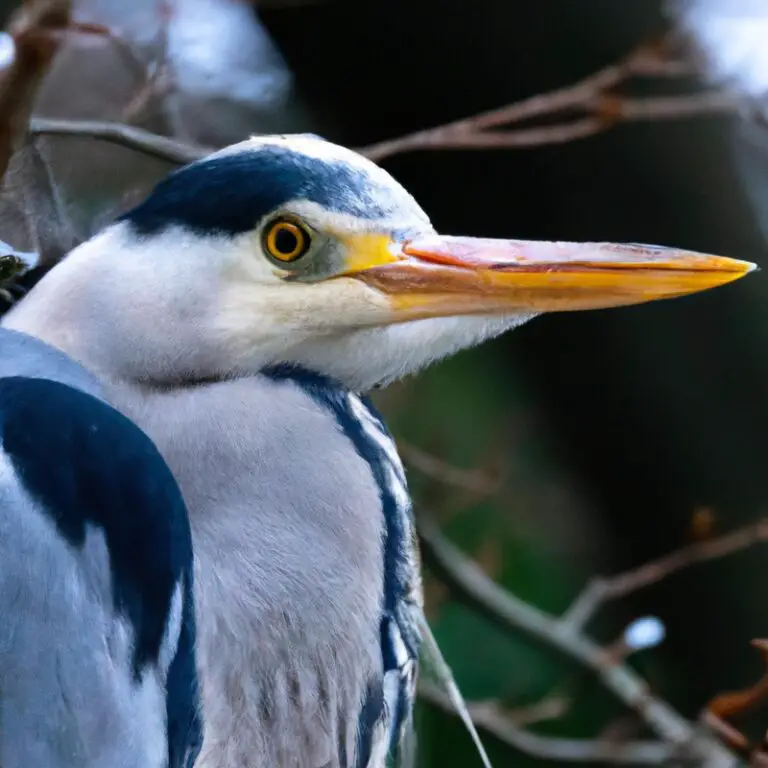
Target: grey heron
{"type": "Point", "coordinates": [239, 315]}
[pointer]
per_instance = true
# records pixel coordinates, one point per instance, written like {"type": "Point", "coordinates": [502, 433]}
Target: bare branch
{"type": "Point", "coordinates": [601, 590]}
{"type": "Point", "coordinates": [729, 735]}
{"type": "Point", "coordinates": [479, 481]}
{"type": "Point", "coordinates": [602, 110]}
{"type": "Point", "coordinates": [492, 719]}
{"type": "Point", "coordinates": [132, 137]}
{"type": "Point", "coordinates": [469, 583]}
{"type": "Point", "coordinates": [36, 30]}
{"type": "Point", "coordinates": [552, 707]}
{"type": "Point", "coordinates": [591, 96]}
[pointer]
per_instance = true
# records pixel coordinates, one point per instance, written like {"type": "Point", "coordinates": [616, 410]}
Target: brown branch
{"type": "Point", "coordinates": [552, 707]}
{"type": "Point", "coordinates": [629, 110]}
{"type": "Point", "coordinates": [493, 720]}
{"type": "Point", "coordinates": [602, 590]}
{"type": "Point", "coordinates": [479, 481]}
{"type": "Point", "coordinates": [728, 734]}
{"type": "Point", "coordinates": [506, 610]}
{"type": "Point", "coordinates": [592, 96]}
{"type": "Point", "coordinates": [132, 137]}
{"type": "Point", "coordinates": [36, 29]}
{"type": "Point", "coordinates": [731, 704]}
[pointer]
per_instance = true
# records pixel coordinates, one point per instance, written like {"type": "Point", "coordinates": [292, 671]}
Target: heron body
{"type": "Point", "coordinates": [97, 639]}
{"type": "Point", "coordinates": [238, 316]}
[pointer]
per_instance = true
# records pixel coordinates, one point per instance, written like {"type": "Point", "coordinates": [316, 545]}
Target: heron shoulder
{"type": "Point", "coordinates": [30, 357]}
{"type": "Point", "coordinates": [88, 468]}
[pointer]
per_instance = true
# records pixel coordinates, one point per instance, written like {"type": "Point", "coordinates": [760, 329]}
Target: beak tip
{"type": "Point", "coordinates": [742, 268]}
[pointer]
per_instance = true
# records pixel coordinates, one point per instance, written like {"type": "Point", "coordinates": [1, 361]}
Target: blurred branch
{"type": "Point", "coordinates": [492, 719]}
{"type": "Point", "coordinates": [132, 137]}
{"type": "Point", "coordinates": [592, 96]}
{"type": "Point", "coordinates": [731, 704]}
{"type": "Point", "coordinates": [479, 481]}
{"type": "Point", "coordinates": [35, 29]}
{"type": "Point", "coordinates": [469, 582]}
{"type": "Point", "coordinates": [158, 80]}
{"type": "Point", "coordinates": [601, 590]}
{"type": "Point", "coordinates": [153, 75]}
{"type": "Point", "coordinates": [727, 733]}
{"type": "Point", "coordinates": [459, 135]}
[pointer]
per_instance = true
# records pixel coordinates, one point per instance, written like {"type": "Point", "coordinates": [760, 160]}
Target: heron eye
{"type": "Point", "coordinates": [285, 240]}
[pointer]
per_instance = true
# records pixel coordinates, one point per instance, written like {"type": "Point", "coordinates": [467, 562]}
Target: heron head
{"type": "Point", "coordinates": [291, 249]}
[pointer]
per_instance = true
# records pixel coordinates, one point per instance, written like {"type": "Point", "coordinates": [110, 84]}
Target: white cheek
{"type": "Point", "coordinates": [365, 358]}
{"type": "Point", "coordinates": [340, 304]}
{"type": "Point", "coordinates": [248, 264]}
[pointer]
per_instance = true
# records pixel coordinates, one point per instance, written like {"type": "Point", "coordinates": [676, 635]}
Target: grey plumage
{"type": "Point", "coordinates": [287, 514]}
{"type": "Point", "coordinates": [24, 355]}
{"type": "Point", "coordinates": [289, 583]}
{"type": "Point", "coordinates": [96, 656]}
{"type": "Point", "coordinates": [243, 354]}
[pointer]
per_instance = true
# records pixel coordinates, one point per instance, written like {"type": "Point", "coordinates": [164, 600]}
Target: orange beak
{"type": "Point", "coordinates": [436, 276]}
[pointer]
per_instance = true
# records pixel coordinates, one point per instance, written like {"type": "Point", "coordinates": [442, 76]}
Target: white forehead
{"type": "Point", "coordinates": [404, 211]}
{"type": "Point", "coordinates": [315, 147]}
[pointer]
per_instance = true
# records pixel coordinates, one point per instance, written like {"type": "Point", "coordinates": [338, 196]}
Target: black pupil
{"type": "Point", "coordinates": [286, 241]}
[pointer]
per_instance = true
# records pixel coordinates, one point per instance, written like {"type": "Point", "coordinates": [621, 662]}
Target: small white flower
{"type": "Point", "coordinates": [7, 50]}
{"type": "Point", "coordinates": [646, 632]}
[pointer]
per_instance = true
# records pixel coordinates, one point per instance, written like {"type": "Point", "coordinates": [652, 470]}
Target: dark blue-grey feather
{"type": "Point", "coordinates": [87, 465]}
{"type": "Point", "coordinates": [229, 194]}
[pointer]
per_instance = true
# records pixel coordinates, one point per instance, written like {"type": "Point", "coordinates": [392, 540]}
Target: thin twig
{"type": "Point", "coordinates": [152, 144]}
{"type": "Point", "coordinates": [468, 582]}
{"type": "Point", "coordinates": [157, 76]}
{"type": "Point", "coordinates": [36, 30]}
{"type": "Point", "coordinates": [549, 708]}
{"type": "Point", "coordinates": [602, 590]}
{"type": "Point", "coordinates": [606, 116]}
{"type": "Point", "coordinates": [475, 480]}
{"type": "Point", "coordinates": [729, 735]}
{"type": "Point", "coordinates": [492, 720]}
{"type": "Point", "coordinates": [611, 112]}
{"type": "Point", "coordinates": [592, 96]}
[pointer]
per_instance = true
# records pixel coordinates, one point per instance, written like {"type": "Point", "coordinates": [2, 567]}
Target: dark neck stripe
{"type": "Point", "coordinates": [332, 396]}
{"type": "Point", "coordinates": [399, 563]}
